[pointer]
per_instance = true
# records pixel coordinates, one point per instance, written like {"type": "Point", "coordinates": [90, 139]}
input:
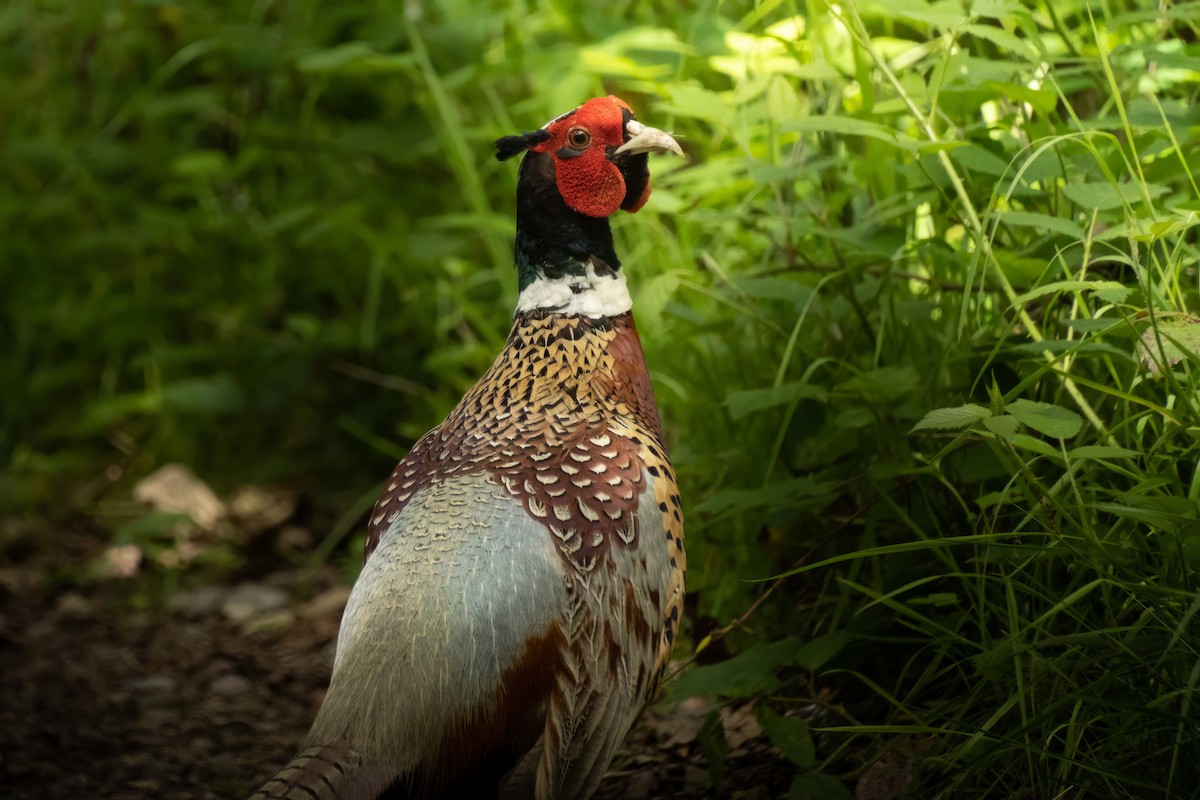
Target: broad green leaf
{"type": "Point", "coordinates": [980, 160]}
{"type": "Point", "coordinates": [854, 418]}
{"type": "Point", "coordinates": [750, 673]}
{"type": "Point", "coordinates": [1047, 419]}
{"type": "Point", "coordinates": [951, 419]}
{"type": "Point", "coordinates": [1180, 336]}
{"type": "Point", "coordinates": [215, 395]}
{"type": "Point", "coordinates": [748, 401]}
{"type": "Point", "coordinates": [693, 101]}
{"type": "Point", "coordinates": [1024, 441]}
{"type": "Point", "coordinates": [946, 15]}
{"type": "Point", "coordinates": [1043, 100]}
{"type": "Point", "coordinates": [1104, 196]}
{"type": "Point", "coordinates": [789, 734]}
{"type": "Point", "coordinates": [1004, 426]}
{"type": "Point", "coordinates": [851, 126]}
{"type": "Point", "coordinates": [1026, 219]}
{"type": "Point", "coordinates": [1016, 45]}
{"type": "Point", "coordinates": [818, 652]}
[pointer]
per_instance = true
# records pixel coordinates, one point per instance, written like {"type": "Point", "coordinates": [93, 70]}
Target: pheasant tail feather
{"type": "Point", "coordinates": [327, 772]}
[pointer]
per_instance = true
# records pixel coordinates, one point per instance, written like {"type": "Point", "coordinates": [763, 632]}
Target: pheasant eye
{"type": "Point", "coordinates": [578, 138]}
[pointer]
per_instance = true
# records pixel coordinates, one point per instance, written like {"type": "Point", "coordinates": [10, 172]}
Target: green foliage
{"type": "Point", "coordinates": [920, 307]}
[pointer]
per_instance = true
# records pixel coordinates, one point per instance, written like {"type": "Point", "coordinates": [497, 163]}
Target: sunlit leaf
{"type": "Point", "coordinates": [1179, 336]}
{"type": "Point", "coordinates": [951, 419]}
{"type": "Point", "coordinates": [1045, 418]}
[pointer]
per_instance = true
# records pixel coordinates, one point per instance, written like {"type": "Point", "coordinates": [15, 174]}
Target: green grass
{"type": "Point", "coordinates": [919, 308]}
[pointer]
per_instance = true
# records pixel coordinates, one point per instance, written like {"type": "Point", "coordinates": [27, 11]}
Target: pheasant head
{"type": "Point", "coordinates": [578, 170]}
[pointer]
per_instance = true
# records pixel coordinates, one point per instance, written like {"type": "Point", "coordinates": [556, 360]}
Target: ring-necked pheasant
{"type": "Point", "coordinates": [524, 571]}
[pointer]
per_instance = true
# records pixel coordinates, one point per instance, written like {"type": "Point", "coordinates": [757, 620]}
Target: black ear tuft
{"type": "Point", "coordinates": [509, 146]}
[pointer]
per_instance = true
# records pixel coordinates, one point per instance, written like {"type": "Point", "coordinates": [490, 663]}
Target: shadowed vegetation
{"type": "Point", "coordinates": [920, 306]}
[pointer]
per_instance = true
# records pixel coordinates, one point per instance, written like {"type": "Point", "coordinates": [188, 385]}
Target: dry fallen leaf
{"type": "Point", "coordinates": [258, 509]}
{"type": "Point", "coordinates": [682, 724]}
{"type": "Point", "coordinates": [122, 561]}
{"type": "Point", "coordinates": [886, 779]}
{"type": "Point", "coordinates": [175, 489]}
{"type": "Point", "coordinates": [741, 726]}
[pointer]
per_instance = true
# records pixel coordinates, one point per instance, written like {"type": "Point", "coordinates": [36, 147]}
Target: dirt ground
{"type": "Point", "coordinates": [207, 698]}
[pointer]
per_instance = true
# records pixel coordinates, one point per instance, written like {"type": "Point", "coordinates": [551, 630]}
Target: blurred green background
{"type": "Point", "coordinates": [918, 306]}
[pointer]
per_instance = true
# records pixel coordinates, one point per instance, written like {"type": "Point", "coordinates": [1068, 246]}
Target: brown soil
{"type": "Point", "coordinates": [199, 702]}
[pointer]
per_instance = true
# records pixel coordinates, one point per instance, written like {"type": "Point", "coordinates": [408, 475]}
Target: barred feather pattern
{"type": "Point", "coordinates": [561, 439]}
{"type": "Point", "coordinates": [329, 772]}
{"type": "Point", "coordinates": [565, 419]}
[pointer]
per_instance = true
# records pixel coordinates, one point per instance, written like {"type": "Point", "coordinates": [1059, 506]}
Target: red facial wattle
{"type": "Point", "coordinates": [587, 180]}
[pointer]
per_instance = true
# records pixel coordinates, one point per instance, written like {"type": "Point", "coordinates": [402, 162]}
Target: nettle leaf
{"type": "Point", "coordinates": [747, 674]}
{"type": "Point", "coordinates": [1046, 419]}
{"type": "Point", "coordinates": [748, 401]}
{"type": "Point", "coordinates": [790, 734]}
{"type": "Point", "coordinates": [951, 419]}
{"type": "Point", "coordinates": [1179, 337]}
{"type": "Point", "coordinates": [1004, 426]}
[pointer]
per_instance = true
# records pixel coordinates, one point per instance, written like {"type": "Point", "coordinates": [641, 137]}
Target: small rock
{"type": "Point", "coordinates": [258, 509]}
{"type": "Point", "coordinates": [151, 693]}
{"type": "Point", "coordinates": [198, 602]}
{"type": "Point", "coordinates": [293, 537]}
{"type": "Point", "coordinates": [696, 779]}
{"type": "Point", "coordinates": [682, 724]}
{"type": "Point", "coordinates": [223, 764]}
{"type": "Point", "coordinates": [74, 606]}
{"type": "Point", "coordinates": [250, 599]}
{"type": "Point", "coordinates": [642, 785]}
{"type": "Point", "coordinates": [121, 561]}
{"type": "Point", "coordinates": [230, 686]}
{"type": "Point", "coordinates": [158, 683]}
{"type": "Point", "coordinates": [40, 629]}
{"type": "Point", "coordinates": [886, 779]}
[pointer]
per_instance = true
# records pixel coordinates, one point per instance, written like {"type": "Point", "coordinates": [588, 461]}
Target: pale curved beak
{"type": "Point", "coordinates": [644, 139]}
